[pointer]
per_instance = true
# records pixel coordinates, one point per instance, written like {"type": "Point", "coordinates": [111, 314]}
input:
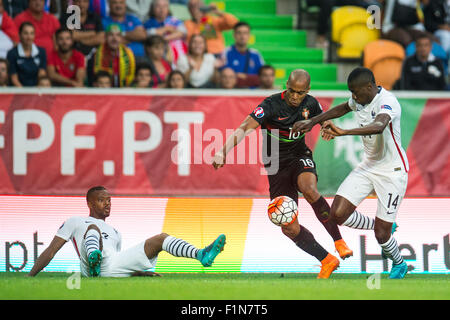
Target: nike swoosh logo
{"type": "Point", "coordinates": [279, 118]}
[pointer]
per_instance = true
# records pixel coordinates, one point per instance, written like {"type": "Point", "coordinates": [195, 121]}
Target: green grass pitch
{"type": "Point", "coordinates": [225, 286]}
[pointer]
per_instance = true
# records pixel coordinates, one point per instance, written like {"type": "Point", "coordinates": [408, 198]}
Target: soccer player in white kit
{"type": "Point", "coordinates": [98, 245]}
{"type": "Point", "coordinates": [384, 168]}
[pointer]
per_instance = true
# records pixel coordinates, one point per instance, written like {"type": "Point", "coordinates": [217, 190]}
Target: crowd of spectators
{"type": "Point", "coordinates": [125, 43]}
{"type": "Point", "coordinates": [424, 26]}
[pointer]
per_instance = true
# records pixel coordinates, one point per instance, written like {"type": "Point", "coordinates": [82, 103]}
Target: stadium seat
{"type": "Point", "coordinates": [385, 59]}
{"type": "Point", "coordinates": [349, 30]}
{"type": "Point", "coordinates": [281, 46]}
{"type": "Point", "coordinates": [272, 38]}
{"type": "Point", "coordinates": [436, 50]}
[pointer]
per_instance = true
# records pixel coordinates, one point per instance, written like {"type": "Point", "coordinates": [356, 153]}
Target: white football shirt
{"type": "Point", "coordinates": [382, 152]}
{"type": "Point", "coordinates": [75, 228]}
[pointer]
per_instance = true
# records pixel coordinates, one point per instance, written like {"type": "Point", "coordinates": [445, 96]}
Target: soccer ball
{"type": "Point", "coordinates": [282, 211]}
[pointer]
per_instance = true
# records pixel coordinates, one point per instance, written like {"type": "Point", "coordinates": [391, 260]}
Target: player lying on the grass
{"type": "Point", "coordinates": [384, 168]}
{"type": "Point", "coordinates": [98, 244]}
{"type": "Point", "coordinates": [296, 168]}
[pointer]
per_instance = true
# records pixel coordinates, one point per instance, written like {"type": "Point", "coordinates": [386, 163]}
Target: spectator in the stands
{"type": "Point", "coordinates": [100, 7]}
{"type": "Point", "coordinates": [437, 21]}
{"type": "Point", "coordinates": [227, 79]}
{"type": "Point", "coordinates": [243, 60]}
{"type": "Point", "coordinates": [27, 61]}
{"type": "Point", "coordinates": [199, 66]}
{"type": "Point", "coordinates": [167, 26]}
{"type": "Point", "coordinates": [9, 36]}
{"type": "Point", "coordinates": [102, 79]}
{"type": "Point", "coordinates": [176, 80]}
{"type": "Point", "coordinates": [143, 78]}
{"type": "Point", "coordinates": [133, 30]}
{"type": "Point", "coordinates": [45, 24]}
{"type": "Point", "coordinates": [4, 74]}
{"type": "Point", "coordinates": [44, 82]}
{"type": "Point", "coordinates": [422, 71]}
{"type": "Point", "coordinates": [91, 34]}
{"type": "Point", "coordinates": [115, 58]}
{"type": "Point", "coordinates": [266, 77]}
{"type": "Point", "coordinates": [66, 66]}
{"type": "Point", "coordinates": [139, 8]}
{"type": "Point", "coordinates": [210, 22]}
{"type": "Point", "coordinates": [403, 22]}
{"type": "Point", "coordinates": [155, 49]}
{"type": "Point", "coordinates": [15, 7]}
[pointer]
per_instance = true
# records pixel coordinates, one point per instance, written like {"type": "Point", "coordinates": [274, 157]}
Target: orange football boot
{"type": "Point", "coordinates": [329, 264]}
{"type": "Point", "coordinates": [342, 248]}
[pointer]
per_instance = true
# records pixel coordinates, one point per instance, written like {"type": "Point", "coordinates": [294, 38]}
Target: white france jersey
{"type": "Point", "coordinates": [383, 152]}
{"type": "Point", "coordinates": [75, 228]}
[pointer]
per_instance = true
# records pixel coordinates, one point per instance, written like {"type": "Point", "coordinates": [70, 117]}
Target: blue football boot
{"type": "Point", "coordinates": [94, 260]}
{"type": "Point", "coordinates": [398, 271]}
{"type": "Point", "coordinates": [207, 255]}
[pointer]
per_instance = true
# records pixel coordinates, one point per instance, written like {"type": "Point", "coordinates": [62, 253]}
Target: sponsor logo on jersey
{"type": "Point", "coordinates": [385, 106]}
{"type": "Point", "coordinates": [280, 118]}
{"type": "Point", "coordinates": [305, 113]}
{"type": "Point", "coordinates": [259, 112]}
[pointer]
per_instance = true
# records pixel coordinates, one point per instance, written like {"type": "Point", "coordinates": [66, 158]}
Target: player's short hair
{"type": "Point", "coordinates": [360, 76]}
{"type": "Point", "coordinates": [92, 190]}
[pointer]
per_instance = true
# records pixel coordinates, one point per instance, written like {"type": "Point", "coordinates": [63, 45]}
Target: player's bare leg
{"type": "Point", "coordinates": [93, 245]}
{"type": "Point", "coordinates": [307, 184]}
{"type": "Point", "coordinates": [180, 248]}
{"type": "Point", "coordinates": [304, 239]}
{"type": "Point", "coordinates": [344, 213]}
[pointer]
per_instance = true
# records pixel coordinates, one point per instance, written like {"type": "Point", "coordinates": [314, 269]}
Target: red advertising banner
{"type": "Point", "coordinates": [64, 144]}
{"type": "Point", "coordinates": [139, 144]}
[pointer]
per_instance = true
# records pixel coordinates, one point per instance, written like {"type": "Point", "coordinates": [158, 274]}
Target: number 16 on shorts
{"type": "Point", "coordinates": [307, 163]}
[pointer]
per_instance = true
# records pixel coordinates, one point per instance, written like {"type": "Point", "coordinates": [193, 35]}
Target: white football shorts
{"type": "Point", "coordinates": [124, 263]}
{"type": "Point", "coordinates": [389, 188]}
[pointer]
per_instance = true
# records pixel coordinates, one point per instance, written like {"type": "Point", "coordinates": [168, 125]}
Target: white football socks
{"type": "Point", "coordinates": [179, 248]}
{"type": "Point", "coordinates": [390, 249]}
{"type": "Point", "coordinates": [359, 221]}
{"type": "Point", "coordinates": [91, 241]}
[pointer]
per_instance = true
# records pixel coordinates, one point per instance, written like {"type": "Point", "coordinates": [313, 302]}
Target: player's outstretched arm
{"type": "Point", "coordinates": [376, 127]}
{"type": "Point", "coordinates": [47, 255]}
{"type": "Point", "coordinates": [336, 112]}
{"type": "Point", "coordinates": [247, 126]}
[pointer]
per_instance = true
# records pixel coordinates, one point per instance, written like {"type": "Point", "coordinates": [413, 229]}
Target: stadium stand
{"type": "Point", "coordinates": [280, 44]}
{"type": "Point", "coordinates": [350, 32]}
{"type": "Point", "coordinates": [385, 59]}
